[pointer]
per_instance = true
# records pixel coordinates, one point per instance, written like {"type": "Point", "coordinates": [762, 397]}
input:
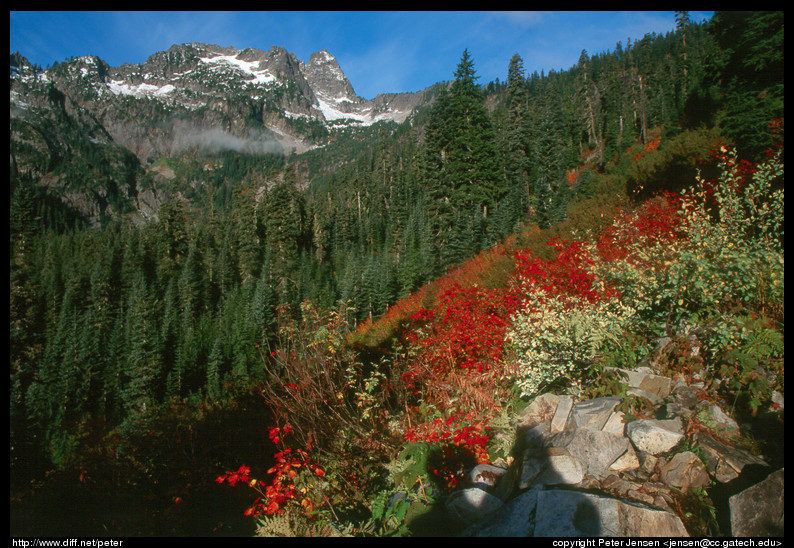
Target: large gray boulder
{"type": "Point", "coordinates": [564, 513]}
{"type": "Point", "coordinates": [575, 514]}
{"type": "Point", "coordinates": [655, 436]}
{"type": "Point", "coordinates": [758, 510]}
{"type": "Point", "coordinates": [596, 449]}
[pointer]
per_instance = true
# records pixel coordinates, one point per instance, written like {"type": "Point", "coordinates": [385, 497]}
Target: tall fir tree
{"type": "Point", "coordinates": [143, 365]}
{"type": "Point", "coordinates": [460, 163]}
{"type": "Point", "coordinates": [517, 165]}
{"type": "Point", "coordinates": [472, 155]}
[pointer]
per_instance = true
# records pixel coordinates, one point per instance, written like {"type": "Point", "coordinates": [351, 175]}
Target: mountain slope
{"type": "Point", "coordinates": [82, 115]}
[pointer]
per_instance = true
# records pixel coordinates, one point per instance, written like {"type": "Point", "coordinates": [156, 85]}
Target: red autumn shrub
{"type": "Point", "coordinates": [653, 223]}
{"type": "Point", "coordinates": [290, 470]}
{"type": "Point", "coordinates": [466, 330]}
{"type": "Point", "coordinates": [564, 275]}
{"type": "Point", "coordinates": [461, 441]}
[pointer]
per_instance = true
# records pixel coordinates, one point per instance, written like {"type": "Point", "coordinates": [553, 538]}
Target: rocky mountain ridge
{"type": "Point", "coordinates": [196, 94]}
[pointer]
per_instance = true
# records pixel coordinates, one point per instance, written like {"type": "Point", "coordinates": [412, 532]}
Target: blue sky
{"type": "Point", "coordinates": [380, 52]}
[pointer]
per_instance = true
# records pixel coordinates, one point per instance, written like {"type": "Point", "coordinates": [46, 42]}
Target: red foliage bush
{"type": "Point", "coordinates": [282, 487]}
{"type": "Point", "coordinates": [466, 330]}
{"type": "Point", "coordinates": [565, 275]}
{"type": "Point", "coordinates": [462, 440]}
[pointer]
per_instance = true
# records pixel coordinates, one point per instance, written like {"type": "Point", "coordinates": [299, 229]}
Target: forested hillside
{"type": "Point", "coordinates": [372, 295]}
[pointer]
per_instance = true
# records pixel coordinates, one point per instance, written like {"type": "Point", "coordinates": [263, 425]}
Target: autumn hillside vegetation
{"type": "Point", "coordinates": [368, 446]}
{"type": "Point", "coordinates": [324, 343]}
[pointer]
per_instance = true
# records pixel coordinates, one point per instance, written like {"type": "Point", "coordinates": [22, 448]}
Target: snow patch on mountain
{"type": "Point", "coordinates": [248, 68]}
{"type": "Point", "coordinates": [139, 90]}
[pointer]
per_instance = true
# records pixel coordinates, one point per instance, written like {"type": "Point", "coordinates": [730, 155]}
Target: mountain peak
{"type": "Point", "coordinates": [326, 78]}
{"type": "Point", "coordinates": [323, 57]}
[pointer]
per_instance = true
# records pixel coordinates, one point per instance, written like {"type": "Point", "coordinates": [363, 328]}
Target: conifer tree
{"type": "Point", "coordinates": [460, 164]}
{"type": "Point", "coordinates": [263, 304]}
{"type": "Point", "coordinates": [284, 217]}
{"type": "Point", "coordinates": [171, 235]}
{"type": "Point", "coordinates": [215, 370]}
{"type": "Point", "coordinates": [517, 165]}
{"type": "Point", "coordinates": [472, 158]}
{"type": "Point", "coordinates": [143, 365]}
{"type": "Point", "coordinates": [550, 169]}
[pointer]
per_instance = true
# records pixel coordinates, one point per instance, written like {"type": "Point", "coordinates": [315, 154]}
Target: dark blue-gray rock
{"type": "Point", "coordinates": [514, 519]}
{"type": "Point", "coordinates": [471, 505]}
{"type": "Point", "coordinates": [758, 510]}
{"type": "Point", "coordinates": [537, 435]}
{"type": "Point", "coordinates": [575, 514]}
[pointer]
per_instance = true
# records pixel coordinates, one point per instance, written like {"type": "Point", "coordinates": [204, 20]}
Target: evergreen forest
{"type": "Point", "coordinates": [287, 315]}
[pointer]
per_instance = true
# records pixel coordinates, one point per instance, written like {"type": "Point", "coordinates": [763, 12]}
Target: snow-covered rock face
{"type": "Point", "coordinates": [195, 75]}
{"type": "Point", "coordinates": [251, 71]}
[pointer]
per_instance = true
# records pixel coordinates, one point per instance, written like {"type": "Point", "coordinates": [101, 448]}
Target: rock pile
{"type": "Point", "coordinates": [584, 468]}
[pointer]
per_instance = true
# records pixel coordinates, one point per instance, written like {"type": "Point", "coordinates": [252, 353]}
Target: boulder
{"type": "Point", "coordinates": [541, 409]}
{"type": "Point", "coordinates": [644, 379]}
{"type": "Point", "coordinates": [596, 449]}
{"type": "Point", "coordinates": [682, 400]}
{"type": "Point", "coordinates": [778, 401]}
{"type": "Point", "coordinates": [514, 519]}
{"type": "Point", "coordinates": [471, 505]}
{"type": "Point", "coordinates": [655, 436]}
{"type": "Point", "coordinates": [655, 384]}
{"type": "Point", "coordinates": [626, 462]}
{"type": "Point", "coordinates": [758, 510]}
{"type": "Point", "coordinates": [653, 399]}
{"type": "Point", "coordinates": [684, 471]}
{"type": "Point", "coordinates": [556, 513]}
{"type": "Point", "coordinates": [581, 470]}
{"type": "Point", "coordinates": [716, 419]}
{"type": "Point", "coordinates": [615, 424]}
{"type": "Point", "coordinates": [561, 414]}
{"type": "Point", "coordinates": [593, 413]}
{"type": "Point", "coordinates": [537, 435]}
{"type": "Point", "coordinates": [724, 462]}
{"type": "Point", "coordinates": [552, 469]}
{"type": "Point", "coordinates": [575, 514]}
{"type": "Point", "coordinates": [619, 486]}
{"type": "Point", "coordinates": [485, 476]}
